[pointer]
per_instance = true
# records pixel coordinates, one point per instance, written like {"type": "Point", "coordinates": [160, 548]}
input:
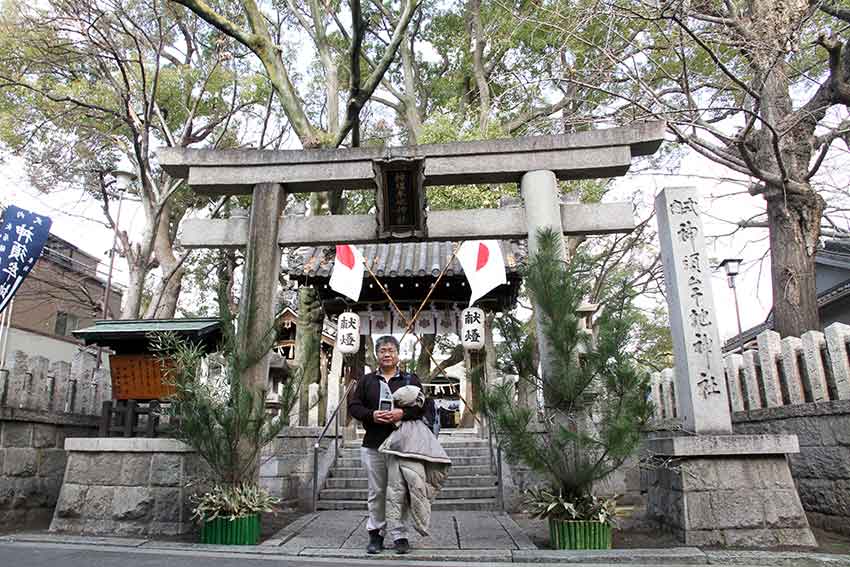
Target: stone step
{"type": "Point", "coordinates": [464, 493]}
{"type": "Point", "coordinates": [452, 481]}
{"type": "Point", "coordinates": [454, 471]}
{"type": "Point", "coordinates": [451, 451]}
{"type": "Point", "coordinates": [480, 504]}
{"type": "Point", "coordinates": [346, 462]}
{"type": "Point", "coordinates": [445, 442]}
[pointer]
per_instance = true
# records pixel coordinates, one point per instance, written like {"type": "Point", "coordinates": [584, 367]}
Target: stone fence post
{"type": "Point", "coordinates": [779, 372]}
{"type": "Point", "coordinates": [37, 384]}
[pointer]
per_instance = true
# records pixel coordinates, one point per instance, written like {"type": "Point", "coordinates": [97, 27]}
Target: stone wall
{"type": "Point", "coordinates": [42, 402]}
{"type": "Point", "coordinates": [779, 372]}
{"type": "Point", "coordinates": [32, 462]}
{"type": "Point", "coordinates": [624, 483]}
{"type": "Point", "coordinates": [821, 470]}
{"type": "Point", "coordinates": [791, 385]}
{"type": "Point", "coordinates": [127, 487]}
{"type": "Point", "coordinates": [60, 387]}
{"type": "Point", "coordinates": [286, 466]}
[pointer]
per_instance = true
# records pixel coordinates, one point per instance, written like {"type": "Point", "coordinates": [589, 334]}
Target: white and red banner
{"type": "Point", "coordinates": [381, 321]}
{"type": "Point", "coordinates": [400, 321]}
{"type": "Point", "coordinates": [347, 274]}
{"type": "Point", "coordinates": [446, 322]}
{"type": "Point", "coordinates": [483, 265]}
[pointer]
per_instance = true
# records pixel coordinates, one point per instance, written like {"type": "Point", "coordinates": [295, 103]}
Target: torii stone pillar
{"type": "Point", "coordinates": [539, 191]}
{"type": "Point", "coordinates": [262, 265]}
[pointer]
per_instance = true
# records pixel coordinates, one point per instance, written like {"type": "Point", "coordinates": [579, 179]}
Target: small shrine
{"type": "Point", "coordinates": [283, 353]}
{"type": "Point", "coordinates": [138, 380]}
{"type": "Point", "coordinates": [410, 272]}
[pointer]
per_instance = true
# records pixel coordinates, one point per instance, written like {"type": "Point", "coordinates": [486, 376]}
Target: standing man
{"type": "Point", "coordinates": [369, 404]}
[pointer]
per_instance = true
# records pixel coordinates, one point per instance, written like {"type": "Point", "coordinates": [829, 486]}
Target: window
{"type": "Point", "coordinates": [65, 323]}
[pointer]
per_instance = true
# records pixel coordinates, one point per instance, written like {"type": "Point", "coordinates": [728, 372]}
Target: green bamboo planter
{"type": "Point", "coordinates": [243, 530]}
{"type": "Point", "coordinates": [568, 534]}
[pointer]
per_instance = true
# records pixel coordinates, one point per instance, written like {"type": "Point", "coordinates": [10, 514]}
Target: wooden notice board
{"type": "Point", "coordinates": [138, 377]}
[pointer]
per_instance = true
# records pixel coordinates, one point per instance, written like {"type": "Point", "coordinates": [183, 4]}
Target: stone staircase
{"type": "Point", "coordinates": [471, 484]}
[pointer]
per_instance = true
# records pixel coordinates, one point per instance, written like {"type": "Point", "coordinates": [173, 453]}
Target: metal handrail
{"type": "Point", "coordinates": [498, 465]}
{"type": "Point", "coordinates": [333, 419]}
{"type": "Point", "coordinates": [490, 444]}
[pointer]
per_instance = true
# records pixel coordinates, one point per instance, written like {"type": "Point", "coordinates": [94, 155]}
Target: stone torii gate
{"type": "Point", "coordinates": [536, 163]}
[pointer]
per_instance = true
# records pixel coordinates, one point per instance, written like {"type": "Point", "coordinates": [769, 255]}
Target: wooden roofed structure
{"type": "Point", "coordinates": [408, 271]}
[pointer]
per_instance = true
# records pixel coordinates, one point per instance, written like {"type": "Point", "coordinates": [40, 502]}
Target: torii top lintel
{"type": "Point", "coordinates": [582, 155]}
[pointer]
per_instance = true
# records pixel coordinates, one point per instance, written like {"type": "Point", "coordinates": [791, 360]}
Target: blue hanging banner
{"type": "Point", "coordinates": [22, 238]}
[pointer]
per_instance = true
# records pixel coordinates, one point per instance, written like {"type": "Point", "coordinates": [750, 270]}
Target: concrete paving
{"type": "Point", "coordinates": [338, 538]}
{"type": "Point", "coordinates": [343, 534]}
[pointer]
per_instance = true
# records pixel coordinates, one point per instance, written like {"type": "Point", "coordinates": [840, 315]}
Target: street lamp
{"type": "Point", "coordinates": [123, 180]}
{"type": "Point", "coordinates": [733, 268]}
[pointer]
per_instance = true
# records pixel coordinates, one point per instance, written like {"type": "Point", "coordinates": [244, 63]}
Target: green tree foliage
{"type": "Point", "coordinates": [595, 393]}
{"type": "Point", "coordinates": [760, 87]}
{"type": "Point", "coordinates": [221, 418]}
{"type": "Point", "coordinates": [87, 86]}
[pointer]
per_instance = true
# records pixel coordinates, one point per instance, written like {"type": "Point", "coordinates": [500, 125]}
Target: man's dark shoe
{"type": "Point", "coordinates": [376, 542]}
{"type": "Point", "coordinates": [402, 546]}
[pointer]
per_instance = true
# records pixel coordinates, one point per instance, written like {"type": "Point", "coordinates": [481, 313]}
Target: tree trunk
{"type": "Point", "coordinates": [164, 303]}
{"type": "Point", "coordinates": [367, 345]}
{"type": "Point", "coordinates": [489, 350]}
{"type": "Point", "coordinates": [332, 89]}
{"type": "Point", "coordinates": [456, 356]}
{"type": "Point", "coordinates": [474, 366]}
{"type": "Point", "coordinates": [794, 232]}
{"type": "Point", "coordinates": [323, 386]}
{"type": "Point", "coordinates": [423, 362]}
{"type": "Point", "coordinates": [477, 43]}
{"type": "Point", "coordinates": [411, 109]}
{"type": "Point", "coordinates": [135, 289]}
{"type": "Point", "coordinates": [308, 336]}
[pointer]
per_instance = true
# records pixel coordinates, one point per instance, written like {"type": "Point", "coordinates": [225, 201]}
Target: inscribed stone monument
{"type": "Point", "coordinates": [703, 402]}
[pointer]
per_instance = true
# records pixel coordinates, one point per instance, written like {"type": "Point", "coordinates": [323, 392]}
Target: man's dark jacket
{"type": "Point", "coordinates": [364, 400]}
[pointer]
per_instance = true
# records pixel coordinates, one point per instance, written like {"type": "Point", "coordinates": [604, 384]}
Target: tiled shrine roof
{"type": "Point", "coordinates": [404, 260]}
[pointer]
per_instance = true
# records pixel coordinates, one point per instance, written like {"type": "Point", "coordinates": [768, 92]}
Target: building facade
{"type": "Point", "coordinates": [63, 293]}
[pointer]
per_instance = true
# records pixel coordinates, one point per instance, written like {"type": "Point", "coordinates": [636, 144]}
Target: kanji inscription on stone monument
{"type": "Point", "coordinates": [700, 382]}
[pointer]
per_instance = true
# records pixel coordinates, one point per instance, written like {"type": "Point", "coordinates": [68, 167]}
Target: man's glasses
{"type": "Point", "coordinates": [387, 351]}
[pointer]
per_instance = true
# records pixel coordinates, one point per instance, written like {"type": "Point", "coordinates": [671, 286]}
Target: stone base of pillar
{"type": "Point", "coordinates": [127, 487]}
{"type": "Point", "coordinates": [727, 490]}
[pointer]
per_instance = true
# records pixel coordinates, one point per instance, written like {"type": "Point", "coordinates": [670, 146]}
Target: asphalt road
{"type": "Point", "coordinates": [60, 555]}
{"type": "Point", "coordinates": [22, 554]}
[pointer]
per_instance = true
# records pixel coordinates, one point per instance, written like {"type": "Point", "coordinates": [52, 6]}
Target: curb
{"type": "Point", "coordinates": [776, 558]}
{"type": "Point", "coordinates": [614, 557]}
{"type": "Point", "coordinates": [673, 556]}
